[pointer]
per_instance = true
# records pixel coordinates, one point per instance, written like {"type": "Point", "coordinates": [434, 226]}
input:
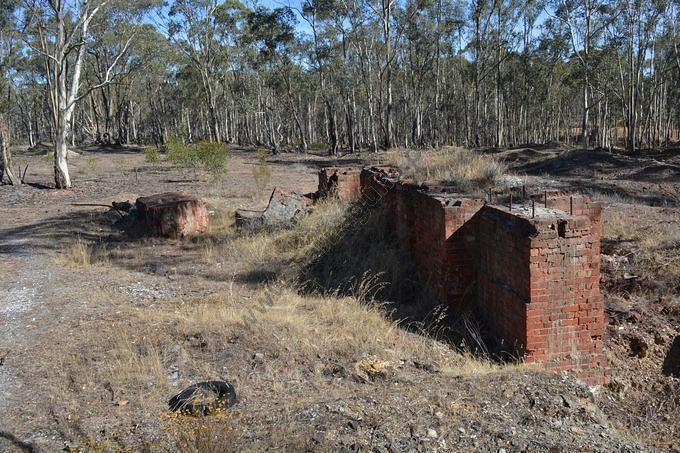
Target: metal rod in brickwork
{"type": "Point", "coordinates": [524, 191]}
{"type": "Point", "coordinates": [533, 208]}
{"type": "Point", "coordinates": [571, 205]}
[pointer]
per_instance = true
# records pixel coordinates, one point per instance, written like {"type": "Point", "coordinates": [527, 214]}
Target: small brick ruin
{"type": "Point", "coordinates": [173, 215]}
{"type": "Point", "coordinates": [530, 271]}
{"type": "Point", "coordinates": [343, 182]}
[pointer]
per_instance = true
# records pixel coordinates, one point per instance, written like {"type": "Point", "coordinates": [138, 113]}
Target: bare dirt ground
{"type": "Point", "coordinates": [98, 329]}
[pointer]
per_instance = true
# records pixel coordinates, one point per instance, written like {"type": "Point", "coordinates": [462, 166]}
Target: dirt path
{"type": "Point", "coordinates": [42, 302]}
{"type": "Point", "coordinates": [29, 276]}
{"type": "Point", "coordinates": [32, 275]}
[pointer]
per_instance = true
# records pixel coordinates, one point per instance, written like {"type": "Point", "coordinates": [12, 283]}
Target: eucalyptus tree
{"type": "Point", "coordinates": [317, 13]}
{"type": "Point", "coordinates": [419, 63]}
{"type": "Point", "coordinates": [8, 49]}
{"type": "Point", "coordinates": [481, 12]}
{"type": "Point", "coordinates": [273, 32]}
{"type": "Point", "coordinates": [114, 97]}
{"type": "Point", "coordinates": [60, 31]}
{"type": "Point", "coordinates": [113, 112]}
{"type": "Point", "coordinates": [203, 30]}
{"type": "Point", "coordinates": [583, 23]}
{"type": "Point", "coordinates": [354, 74]}
{"type": "Point", "coordinates": [634, 32]}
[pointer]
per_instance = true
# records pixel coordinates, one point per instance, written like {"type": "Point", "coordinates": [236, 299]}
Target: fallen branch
{"type": "Point", "coordinates": [93, 204]}
{"type": "Point", "coordinates": [26, 446]}
{"type": "Point", "coordinates": [23, 176]}
{"type": "Point", "coordinates": [101, 205]}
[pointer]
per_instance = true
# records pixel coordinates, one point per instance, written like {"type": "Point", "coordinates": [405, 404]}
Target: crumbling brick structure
{"type": "Point", "coordinates": [531, 271]}
{"type": "Point", "coordinates": [344, 182]}
{"type": "Point", "coordinates": [538, 283]}
{"type": "Point", "coordinates": [172, 214]}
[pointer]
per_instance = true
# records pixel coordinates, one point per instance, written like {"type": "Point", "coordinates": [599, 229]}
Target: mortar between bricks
{"type": "Point", "coordinates": [531, 274]}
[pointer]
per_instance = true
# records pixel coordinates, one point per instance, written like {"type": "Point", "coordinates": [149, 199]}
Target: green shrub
{"type": "Point", "coordinates": [181, 156]}
{"type": "Point", "coordinates": [262, 174]}
{"type": "Point", "coordinates": [262, 154]}
{"type": "Point", "coordinates": [151, 154]}
{"type": "Point", "coordinates": [211, 157]}
{"type": "Point", "coordinates": [49, 157]}
{"type": "Point", "coordinates": [91, 165]}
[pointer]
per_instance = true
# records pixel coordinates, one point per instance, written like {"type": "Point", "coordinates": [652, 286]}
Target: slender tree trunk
{"type": "Point", "coordinates": [6, 168]}
{"type": "Point", "coordinates": [387, 23]}
{"type": "Point", "coordinates": [477, 40]}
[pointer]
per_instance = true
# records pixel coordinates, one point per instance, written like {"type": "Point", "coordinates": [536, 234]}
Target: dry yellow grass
{"type": "Point", "coordinates": [136, 362]}
{"type": "Point", "coordinates": [652, 249]}
{"type": "Point", "coordinates": [80, 253]}
{"type": "Point", "coordinates": [346, 326]}
{"type": "Point", "coordinates": [310, 235]}
{"type": "Point", "coordinates": [215, 434]}
{"type": "Point", "coordinates": [283, 321]}
{"type": "Point", "coordinates": [278, 320]}
{"type": "Point", "coordinates": [466, 169]}
{"type": "Point", "coordinates": [216, 336]}
{"type": "Point", "coordinates": [297, 335]}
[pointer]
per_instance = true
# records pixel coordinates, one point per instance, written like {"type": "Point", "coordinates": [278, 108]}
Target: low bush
{"type": "Point", "coordinates": [262, 173]}
{"type": "Point", "coordinates": [211, 156]}
{"type": "Point", "coordinates": [208, 156]}
{"type": "Point", "coordinates": [151, 154]}
{"type": "Point", "coordinates": [81, 253]}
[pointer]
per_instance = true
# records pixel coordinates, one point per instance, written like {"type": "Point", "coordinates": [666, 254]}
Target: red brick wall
{"type": "Point", "coordinates": [533, 280]}
{"type": "Point", "coordinates": [565, 317]}
{"type": "Point", "coordinates": [420, 225]}
{"type": "Point", "coordinates": [460, 260]}
{"type": "Point", "coordinates": [538, 287]}
{"type": "Point", "coordinates": [345, 183]}
{"type": "Point", "coordinates": [435, 229]}
{"type": "Point", "coordinates": [503, 275]}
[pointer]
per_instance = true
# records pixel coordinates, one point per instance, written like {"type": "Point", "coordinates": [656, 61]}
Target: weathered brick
{"type": "Point", "coordinates": [534, 281]}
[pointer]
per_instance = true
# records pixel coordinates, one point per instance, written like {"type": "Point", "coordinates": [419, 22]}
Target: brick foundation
{"type": "Point", "coordinates": [173, 215]}
{"type": "Point", "coordinates": [531, 275]}
{"type": "Point", "coordinates": [538, 287]}
{"type": "Point", "coordinates": [342, 182]}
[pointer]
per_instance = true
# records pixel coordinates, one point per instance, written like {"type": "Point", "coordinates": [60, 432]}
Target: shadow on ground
{"type": "Point", "coordinates": [366, 261]}
{"type": "Point", "coordinates": [646, 178]}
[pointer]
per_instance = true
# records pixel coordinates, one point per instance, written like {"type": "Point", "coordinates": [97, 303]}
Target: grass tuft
{"type": "Point", "coordinates": [651, 250]}
{"type": "Point", "coordinates": [468, 170]}
{"type": "Point", "coordinates": [83, 254]}
{"type": "Point", "coordinates": [151, 154]}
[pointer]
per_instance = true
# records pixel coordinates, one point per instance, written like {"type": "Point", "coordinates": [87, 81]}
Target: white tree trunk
{"type": "Point", "coordinates": [63, 77]}
{"type": "Point", "coordinates": [5, 154]}
{"type": "Point", "coordinates": [62, 178]}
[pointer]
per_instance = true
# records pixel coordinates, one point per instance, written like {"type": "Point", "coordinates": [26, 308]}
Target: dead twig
{"type": "Point", "coordinates": [93, 204]}
{"type": "Point", "coordinates": [26, 446]}
{"type": "Point", "coordinates": [110, 206]}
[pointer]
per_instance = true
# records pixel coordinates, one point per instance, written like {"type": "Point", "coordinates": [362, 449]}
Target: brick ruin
{"type": "Point", "coordinates": [343, 182]}
{"type": "Point", "coordinates": [530, 271]}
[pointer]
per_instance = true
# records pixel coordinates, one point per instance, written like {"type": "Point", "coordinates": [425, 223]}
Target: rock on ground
{"type": "Point", "coordinates": [282, 210]}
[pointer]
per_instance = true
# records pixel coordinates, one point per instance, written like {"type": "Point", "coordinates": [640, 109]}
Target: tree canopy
{"type": "Point", "coordinates": [343, 74]}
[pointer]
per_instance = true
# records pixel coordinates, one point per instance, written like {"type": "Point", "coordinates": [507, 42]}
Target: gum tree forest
{"type": "Point", "coordinates": [338, 75]}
